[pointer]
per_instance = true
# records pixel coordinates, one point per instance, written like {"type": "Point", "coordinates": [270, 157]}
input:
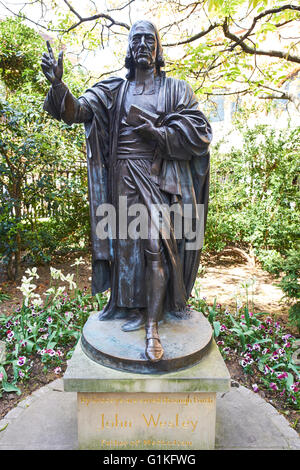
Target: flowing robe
{"type": "Point", "coordinates": [181, 166]}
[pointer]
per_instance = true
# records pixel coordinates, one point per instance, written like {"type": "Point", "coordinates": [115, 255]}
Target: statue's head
{"type": "Point", "coordinates": [144, 48]}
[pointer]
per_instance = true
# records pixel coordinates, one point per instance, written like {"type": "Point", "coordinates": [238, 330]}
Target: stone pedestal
{"type": "Point", "coordinates": [124, 410]}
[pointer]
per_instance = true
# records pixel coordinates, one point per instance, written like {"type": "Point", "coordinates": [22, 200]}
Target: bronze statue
{"type": "Point", "coordinates": [146, 140]}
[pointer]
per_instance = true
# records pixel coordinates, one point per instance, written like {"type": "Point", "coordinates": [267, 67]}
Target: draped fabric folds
{"type": "Point", "coordinates": [182, 170]}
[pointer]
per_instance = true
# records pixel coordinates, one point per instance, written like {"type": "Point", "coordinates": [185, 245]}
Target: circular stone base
{"type": "Point", "coordinates": [185, 341]}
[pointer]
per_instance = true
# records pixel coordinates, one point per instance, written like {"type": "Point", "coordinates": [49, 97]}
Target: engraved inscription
{"type": "Point", "coordinates": [176, 422]}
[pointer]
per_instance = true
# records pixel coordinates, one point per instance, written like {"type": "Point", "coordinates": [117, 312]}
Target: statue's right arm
{"type": "Point", "coordinates": [60, 102]}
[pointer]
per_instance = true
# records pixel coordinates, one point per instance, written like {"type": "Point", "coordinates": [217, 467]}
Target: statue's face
{"type": "Point", "coordinates": [143, 45]}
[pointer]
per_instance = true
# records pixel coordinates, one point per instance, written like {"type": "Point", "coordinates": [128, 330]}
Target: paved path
{"type": "Point", "coordinates": [46, 420]}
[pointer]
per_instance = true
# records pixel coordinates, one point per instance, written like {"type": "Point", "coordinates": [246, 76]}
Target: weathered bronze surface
{"type": "Point", "coordinates": [185, 342]}
{"type": "Point", "coordinates": [147, 141]}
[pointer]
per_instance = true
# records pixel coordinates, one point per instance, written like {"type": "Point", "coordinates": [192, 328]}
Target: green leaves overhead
{"type": "Point", "coordinates": [20, 46]}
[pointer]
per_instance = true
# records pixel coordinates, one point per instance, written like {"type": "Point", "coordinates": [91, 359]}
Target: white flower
{"type": "Point", "coordinates": [55, 292]}
{"type": "Point", "coordinates": [27, 289]}
{"type": "Point", "coordinates": [78, 261]}
{"type": "Point", "coordinates": [56, 273]}
{"type": "Point", "coordinates": [21, 361]}
{"type": "Point", "coordinates": [59, 291]}
{"type": "Point", "coordinates": [32, 272]}
{"type": "Point", "coordinates": [243, 363]}
{"type": "Point", "coordinates": [50, 291]}
{"type": "Point", "coordinates": [26, 280]}
{"type": "Point", "coordinates": [37, 302]}
{"type": "Point", "coordinates": [69, 278]}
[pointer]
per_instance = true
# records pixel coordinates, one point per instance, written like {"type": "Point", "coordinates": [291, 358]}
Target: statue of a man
{"type": "Point", "coordinates": [146, 141]}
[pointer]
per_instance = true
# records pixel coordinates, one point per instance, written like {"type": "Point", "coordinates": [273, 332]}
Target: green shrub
{"type": "Point", "coordinates": [254, 201]}
{"type": "Point", "coordinates": [288, 267]}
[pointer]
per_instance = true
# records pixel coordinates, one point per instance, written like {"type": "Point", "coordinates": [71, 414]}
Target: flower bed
{"type": "Point", "coordinates": [43, 329]}
{"type": "Point", "coordinates": [263, 348]}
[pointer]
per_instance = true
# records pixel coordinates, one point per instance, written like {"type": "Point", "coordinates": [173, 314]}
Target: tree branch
{"type": "Point", "coordinates": [81, 19]}
{"type": "Point", "coordinates": [195, 37]}
{"type": "Point", "coordinates": [284, 95]}
{"type": "Point", "coordinates": [270, 11]}
{"type": "Point", "coordinates": [28, 19]}
{"type": "Point", "coordinates": [122, 7]}
{"type": "Point", "coordinates": [73, 10]}
{"type": "Point", "coordinates": [92, 18]}
{"type": "Point", "coordinates": [249, 50]}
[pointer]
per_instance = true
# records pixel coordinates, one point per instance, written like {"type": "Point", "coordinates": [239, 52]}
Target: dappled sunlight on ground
{"type": "Point", "coordinates": [225, 279]}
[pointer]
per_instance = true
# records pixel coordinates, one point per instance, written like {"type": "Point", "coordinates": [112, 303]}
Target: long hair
{"type": "Point", "coordinates": [159, 60]}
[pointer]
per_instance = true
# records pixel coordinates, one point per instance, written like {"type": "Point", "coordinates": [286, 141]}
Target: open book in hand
{"type": "Point", "coordinates": [136, 115]}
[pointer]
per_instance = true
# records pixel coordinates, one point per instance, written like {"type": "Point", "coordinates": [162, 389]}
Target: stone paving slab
{"type": "Point", "coordinates": [47, 420]}
{"type": "Point", "coordinates": [246, 421]}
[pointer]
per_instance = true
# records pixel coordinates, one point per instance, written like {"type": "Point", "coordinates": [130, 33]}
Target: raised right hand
{"type": "Point", "coordinates": [52, 69]}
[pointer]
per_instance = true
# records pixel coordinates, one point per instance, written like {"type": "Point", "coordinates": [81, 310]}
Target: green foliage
{"type": "Point", "coordinates": [20, 49]}
{"type": "Point", "coordinates": [43, 177]}
{"type": "Point", "coordinates": [288, 267]}
{"type": "Point", "coordinates": [294, 314]}
{"type": "Point", "coordinates": [3, 296]}
{"type": "Point", "coordinates": [254, 191]}
{"type": "Point", "coordinates": [227, 59]}
{"type": "Point", "coordinates": [254, 197]}
{"type": "Point", "coordinates": [41, 206]}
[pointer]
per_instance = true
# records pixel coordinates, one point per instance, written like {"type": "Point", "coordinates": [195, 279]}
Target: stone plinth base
{"type": "Point", "coordinates": [122, 410]}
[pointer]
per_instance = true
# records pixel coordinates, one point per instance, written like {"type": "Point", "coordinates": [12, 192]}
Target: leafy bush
{"type": "Point", "coordinates": [254, 191]}
{"type": "Point", "coordinates": [21, 49]}
{"type": "Point", "coordinates": [288, 266]}
{"type": "Point", "coordinates": [20, 46]}
{"type": "Point", "coordinates": [254, 201]}
{"type": "Point", "coordinates": [43, 180]}
{"type": "Point", "coordinates": [43, 192]}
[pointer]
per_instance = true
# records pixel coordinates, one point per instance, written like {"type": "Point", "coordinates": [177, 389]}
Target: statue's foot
{"type": "Point", "coordinates": [154, 350]}
{"type": "Point", "coordinates": [113, 313]}
{"type": "Point", "coordinates": [136, 322]}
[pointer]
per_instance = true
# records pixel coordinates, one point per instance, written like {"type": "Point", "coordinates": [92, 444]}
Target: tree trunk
{"type": "Point", "coordinates": [18, 211]}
